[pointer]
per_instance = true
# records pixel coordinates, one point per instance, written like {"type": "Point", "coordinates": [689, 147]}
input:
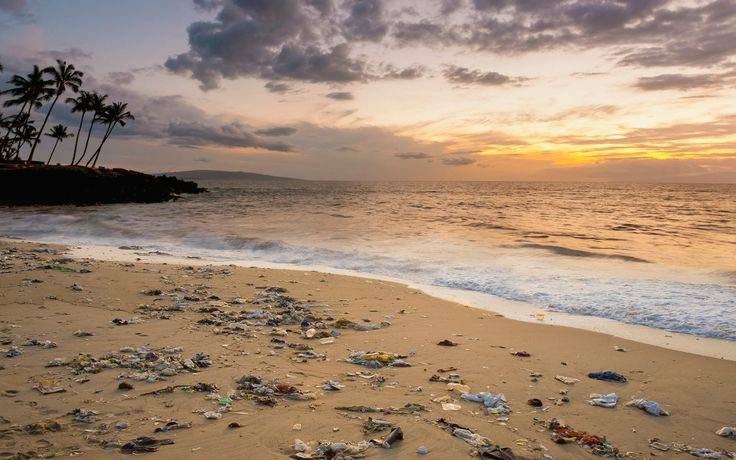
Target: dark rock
{"type": "Point", "coordinates": [38, 184]}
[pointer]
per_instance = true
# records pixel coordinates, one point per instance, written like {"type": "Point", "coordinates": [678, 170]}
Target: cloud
{"type": "Point", "coordinates": [448, 7]}
{"type": "Point", "coordinates": [276, 131]}
{"type": "Point", "coordinates": [276, 87]}
{"type": "Point", "coordinates": [412, 155]}
{"type": "Point", "coordinates": [207, 5]}
{"type": "Point", "coordinates": [201, 159]}
{"type": "Point", "coordinates": [340, 96]}
{"type": "Point", "coordinates": [13, 6]}
{"type": "Point", "coordinates": [17, 9]}
{"type": "Point", "coordinates": [121, 78]}
{"type": "Point", "coordinates": [310, 41]}
{"type": "Point", "coordinates": [391, 72]}
{"type": "Point", "coordinates": [640, 33]}
{"type": "Point", "coordinates": [458, 161]}
{"type": "Point", "coordinates": [194, 134]}
{"type": "Point", "coordinates": [465, 76]}
{"type": "Point", "coordinates": [314, 65]}
{"type": "Point", "coordinates": [73, 55]}
{"type": "Point", "coordinates": [366, 21]}
{"type": "Point", "coordinates": [170, 119]}
{"type": "Point", "coordinates": [685, 82]}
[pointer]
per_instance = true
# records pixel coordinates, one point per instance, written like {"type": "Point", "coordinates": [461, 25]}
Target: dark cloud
{"type": "Point", "coordinates": [366, 21]}
{"type": "Point", "coordinates": [315, 65]}
{"type": "Point", "coordinates": [640, 33]}
{"type": "Point", "coordinates": [423, 32]}
{"type": "Point", "coordinates": [201, 159]}
{"type": "Point", "coordinates": [121, 78]}
{"type": "Point", "coordinates": [313, 40]}
{"type": "Point", "coordinates": [276, 87]}
{"type": "Point", "coordinates": [465, 76]}
{"type": "Point", "coordinates": [685, 82]}
{"type": "Point", "coordinates": [16, 9]}
{"type": "Point", "coordinates": [458, 161]}
{"type": "Point", "coordinates": [391, 72]}
{"type": "Point", "coordinates": [195, 134]}
{"type": "Point", "coordinates": [13, 6]}
{"type": "Point", "coordinates": [207, 5]}
{"type": "Point", "coordinates": [412, 155]}
{"type": "Point", "coordinates": [340, 96]}
{"type": "Point", "coordinates": [450, 6]}
{"type": "Point", "coordinates": [276, 131]}
{"type": "Point", "coordinates": [307, 41]}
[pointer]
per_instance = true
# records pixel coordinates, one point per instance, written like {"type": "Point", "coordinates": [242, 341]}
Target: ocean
{"type": "Point", "coordinates": [657, 255]}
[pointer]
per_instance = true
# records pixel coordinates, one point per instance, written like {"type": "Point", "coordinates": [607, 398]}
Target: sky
{"type": "Point", "coordinates": [573, 90]}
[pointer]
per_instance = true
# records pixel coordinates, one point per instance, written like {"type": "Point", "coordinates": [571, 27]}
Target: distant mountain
{"type": "Point", "coordinates": [207, 174]}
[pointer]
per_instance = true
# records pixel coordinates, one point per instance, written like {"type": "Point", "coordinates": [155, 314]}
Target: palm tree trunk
{"type": "Point", "coordinates": [99, 149]}
{"type": "Point", "coordinates": [43, 125]}
{"type": "Point", "coordinates": [86, 143]}
{"type": "Point", "coordinates": [21, 143]}
{"type": "Point", "coordinates": [10, 129]}
{"type": "Point", "coordinates": [76, 140]}
{"type": "Point", "coordinates": [52, 151]}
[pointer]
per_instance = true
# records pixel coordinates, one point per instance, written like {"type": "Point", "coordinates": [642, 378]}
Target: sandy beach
{"type": "Point", "coordinates": [263, 344]}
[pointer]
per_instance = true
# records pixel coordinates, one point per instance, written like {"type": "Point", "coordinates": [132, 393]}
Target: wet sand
{"type": "Point", "coordinates": [697, 391]}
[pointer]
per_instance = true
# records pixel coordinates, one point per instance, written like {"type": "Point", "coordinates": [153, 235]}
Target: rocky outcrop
{"type": "Point", "coordinates": [37, 184]}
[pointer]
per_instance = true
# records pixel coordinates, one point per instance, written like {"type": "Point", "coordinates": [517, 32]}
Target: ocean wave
{"type": "Point", "coordinates": [563, 251]}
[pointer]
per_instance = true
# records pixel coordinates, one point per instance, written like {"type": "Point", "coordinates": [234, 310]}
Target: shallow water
{"type": "Point", "coordinates": [663, 256]}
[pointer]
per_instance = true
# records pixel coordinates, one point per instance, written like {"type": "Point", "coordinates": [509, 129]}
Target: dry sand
{"type": "Point", "coordinates": [699, 392]}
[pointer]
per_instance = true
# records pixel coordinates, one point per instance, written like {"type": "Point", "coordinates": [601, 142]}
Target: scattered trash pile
{"type": "Point", "coordinates": [495, 404]}
{"type": "Point", "coordinates": [150, 365]}
{"type": "Point", "coordinates": [342, 450]}
{"type": "Point", "coordinates": [563, 434]}
{"type": "Point", "coordinates": [377, 359]}
{"type": "Point", "coordinates": [407, 409]}
{"type": "Point", "coordinates": [482, 446]}
{"type": "Point", "coordinates": [329, 450]}
{"type": "Point", "coordinates": [276, 309]}
{"type": "Point", "coordinates": [252, 387]}
{"type": "Point", "coordinates": [702, 452]}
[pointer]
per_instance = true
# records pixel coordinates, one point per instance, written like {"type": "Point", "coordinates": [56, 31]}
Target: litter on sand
{"type": "Point", "coordinates": [651, 407]}
{"type": "Point", "coordinates": [563, 434]}
{"type": "Point", "coordinates": [144, 444]}
{"type": "Point", "coordinates": [483, 446]}
{"type": "Point", "coordinates": [610, 400]}
{"type": "Point", "coordinates": [495, 404]}
{"type": "Point", "coordinates": [375, 360]}
{"type": "Point", "coordinates": [567, 380]}
{"type": "Point", "coordinates": [608, 376]}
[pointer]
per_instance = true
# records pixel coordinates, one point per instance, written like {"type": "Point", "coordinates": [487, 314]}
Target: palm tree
{"type": "Point", "coordinates": [24, 134]}
{"type": "Point", "coordinates": [59, 133]}
{"type": "Point", "coordinates": [62, 76]}
{"type": "Point", "coordinates": [116, 114]}
{"type": "Point", "coordinates": [97, 102]}
{"type": "Point", "coordinates": [28, 92]}
{"type": "Point", "coordinates": [82, 103]}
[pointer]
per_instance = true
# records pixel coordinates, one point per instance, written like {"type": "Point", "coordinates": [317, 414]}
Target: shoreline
{"type": "Point", "coordinates": [514, 310]}
{"type": "Point", "coordinates": [102, 322]}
